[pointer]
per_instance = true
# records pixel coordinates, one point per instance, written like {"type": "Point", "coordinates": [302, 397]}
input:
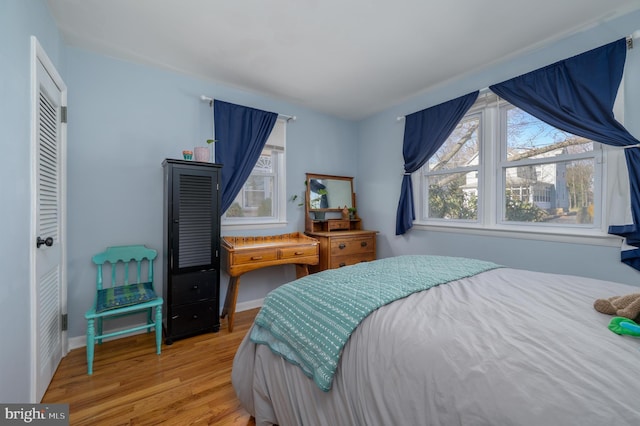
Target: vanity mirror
{"type": "Point", "coordinates": [328, 193]}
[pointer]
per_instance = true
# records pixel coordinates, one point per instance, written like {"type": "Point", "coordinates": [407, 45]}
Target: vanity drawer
{"type": "Point", "coordinates": [340, 261]}
{"type": "Point", "coordinates": [352, 245]}
{"type": "Point", "coordinates": [302, 251]}
{"type": "Point", "coordinates": [254, 256]}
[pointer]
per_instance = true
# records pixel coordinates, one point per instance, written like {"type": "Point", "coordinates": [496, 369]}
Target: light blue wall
{"type": "Point", "coordinates": [380, 169]}
{"type": "Point", "coordinates": [19, 19]}
{"type": "Point", "coordinates": [124, 120]}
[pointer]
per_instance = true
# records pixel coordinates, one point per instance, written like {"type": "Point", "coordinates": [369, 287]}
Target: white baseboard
{"type": "Point", "coordinates": [81, 341]}
{"type": "Point", "coordinates": [251, 304]}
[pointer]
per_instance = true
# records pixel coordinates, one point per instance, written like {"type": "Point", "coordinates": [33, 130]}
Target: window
{"type": "Point", "coordinates": [451, 175]}
{"type": "Point", "coordinates": [261, 199]}
{"type": "Point", "coordinates": [502, 167]}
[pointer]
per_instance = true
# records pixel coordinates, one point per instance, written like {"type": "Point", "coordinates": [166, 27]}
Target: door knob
{"type": "Point", "coordinates": [47, 242]}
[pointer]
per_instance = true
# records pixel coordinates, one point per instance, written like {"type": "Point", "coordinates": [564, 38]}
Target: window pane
{"type": "Point", "coordinates": [460, 149]}
{"type": "Point", "coordinates": [256, 199]}
{"type": "Point", "coordinates": [528, 137]}
{"type": "Point", "coordinates": [453, 196]}
{"type": "Point", "coordinates": [560, 192]}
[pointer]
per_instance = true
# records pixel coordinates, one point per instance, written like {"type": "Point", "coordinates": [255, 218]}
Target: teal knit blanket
{"type": "Point", "coordinates": [308, 321]}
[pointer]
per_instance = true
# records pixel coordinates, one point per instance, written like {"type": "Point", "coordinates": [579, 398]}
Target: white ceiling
{"type": "Point", "coordinates": [348, 58]}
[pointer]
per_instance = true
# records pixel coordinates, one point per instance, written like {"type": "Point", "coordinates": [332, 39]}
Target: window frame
{"type": "Point", "coordinates": [279, 217]}
{"type": "Point", "coordinates": [491, 182]}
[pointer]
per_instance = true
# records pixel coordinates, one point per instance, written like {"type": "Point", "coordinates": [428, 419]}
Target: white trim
{"type": "Point", "coordinates": [39, 55]}
{"type": "Point", "coordinates": [253, 225]}
{"type": "Point", "coordinates": [521, 232]}
{"type": "Point", "coordinates": [250, 304]}
{"type": "Point", "coordinates": [81, 341]}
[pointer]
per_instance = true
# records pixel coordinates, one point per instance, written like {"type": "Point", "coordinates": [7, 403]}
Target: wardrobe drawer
{"type": "Point", "coordinates": [193, 317]}
{"type": "Point", "coordinates": [192, 287]}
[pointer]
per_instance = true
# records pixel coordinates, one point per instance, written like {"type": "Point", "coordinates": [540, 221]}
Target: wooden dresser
{"type": "Point", "coordinates": [342, 248]}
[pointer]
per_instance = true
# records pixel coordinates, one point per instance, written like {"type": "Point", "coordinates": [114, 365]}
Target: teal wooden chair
{"type": "Point", "coordinates": [123, 289]}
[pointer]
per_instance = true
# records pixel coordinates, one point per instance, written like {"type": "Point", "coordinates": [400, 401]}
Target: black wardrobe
{"type": "Point", "coordinates": [191, 286]}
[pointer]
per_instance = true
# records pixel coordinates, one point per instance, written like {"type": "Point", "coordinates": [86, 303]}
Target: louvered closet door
{"type": "Point", "coordinates": [194, 221]}
{"type": "Point", "coordinates": [49, 286]}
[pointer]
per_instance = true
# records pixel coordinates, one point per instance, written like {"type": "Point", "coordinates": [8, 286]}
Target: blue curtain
{"type": "Point", "coordinates": [424, 132]}
{"type": "Point", "coordinates": [241, 133]}
{"type": "Point", "coordinates": [577, 95]}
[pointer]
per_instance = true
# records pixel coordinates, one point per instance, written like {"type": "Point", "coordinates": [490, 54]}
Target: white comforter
{"type": "Point", "coordinates": [505, 347]}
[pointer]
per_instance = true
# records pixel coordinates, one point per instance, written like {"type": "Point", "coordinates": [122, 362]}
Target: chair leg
{"type": "Point", "coordinates": [90, 345]}
{"type": "Point", "coordinates": [158, 329]}
{"type": "Point", "coordinates": [100, 330]}
{"type": "Point", "coordinates": [149, 319]}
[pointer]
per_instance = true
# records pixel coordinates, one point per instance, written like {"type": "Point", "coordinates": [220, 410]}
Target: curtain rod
{"type": "Point", "coordinates": [210, 100]}
{"type": "Point", "coordinates": [630, 39]}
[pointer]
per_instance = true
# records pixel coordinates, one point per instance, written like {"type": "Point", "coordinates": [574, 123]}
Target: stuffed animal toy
{"type": "Point", "coordinates": [627, 306]}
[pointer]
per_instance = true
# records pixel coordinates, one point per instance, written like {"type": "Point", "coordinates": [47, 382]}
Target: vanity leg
{"type": "Point", "coordinates": [302, 270]}
{"type": "Point", "coordinates": [230, 301]}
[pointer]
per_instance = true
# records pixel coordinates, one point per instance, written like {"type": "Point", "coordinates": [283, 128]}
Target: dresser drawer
{"type": "Point", "coordinates": [187, 288]}
{"type": "Point", "coordinates": [336, 224]}
{"type": "Point", "coordinates": [302, 251]}
{"type": "Point", "coordinates": [349, 246]}
{"type": "Point", "coordinates": [340, 261]}
{"type": "Point", "coordinates": [254, 256]}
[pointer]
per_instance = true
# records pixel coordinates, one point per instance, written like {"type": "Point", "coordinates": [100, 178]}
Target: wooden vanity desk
{"type": "Point", "coordinates": [244, 254]}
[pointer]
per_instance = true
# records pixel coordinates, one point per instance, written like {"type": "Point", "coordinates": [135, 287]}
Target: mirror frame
{"type": "Point", "coordinates": [332, 177]}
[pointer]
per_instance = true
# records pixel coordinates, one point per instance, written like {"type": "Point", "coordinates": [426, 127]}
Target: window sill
{"type": "Point", "coordinates": [590, 237]}
{"type": "Point", "coordinates": [252, 225]}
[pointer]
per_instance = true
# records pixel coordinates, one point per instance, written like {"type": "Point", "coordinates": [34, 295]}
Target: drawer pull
{"type": "Point", "coordinates": [256, 257]}
{"type": "Point", "coordinates": [195, 286]}
{"type": "Point", "coordinates": [363, 244]}
{"type": "Point", "coordinates": [342, 264]}
{"type": "Point", "coordinates": [299, 253]}
{"type": "Point", "coordinates": [342, 245]}
{"type": "Point", "coordinates": [195, 317]}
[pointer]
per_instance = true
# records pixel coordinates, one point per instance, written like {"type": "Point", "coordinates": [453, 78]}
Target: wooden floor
{"type": "Point", "coordinates": [188, 384]}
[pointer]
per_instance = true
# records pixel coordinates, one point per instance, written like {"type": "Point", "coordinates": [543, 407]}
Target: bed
{"type": "Point", "coordinates": [488, 346]}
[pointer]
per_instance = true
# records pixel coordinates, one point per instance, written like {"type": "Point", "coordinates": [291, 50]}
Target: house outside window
{"type": "Point", "coordinates": [502, 167]}
{"type": "Point", "coordinates": [261, 201]}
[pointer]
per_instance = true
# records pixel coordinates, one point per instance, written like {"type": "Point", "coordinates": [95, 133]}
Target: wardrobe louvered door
{"type": "Point", "coordinates": [194, 211]}
{"type": "Point", "coordinates": [192, 248]}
